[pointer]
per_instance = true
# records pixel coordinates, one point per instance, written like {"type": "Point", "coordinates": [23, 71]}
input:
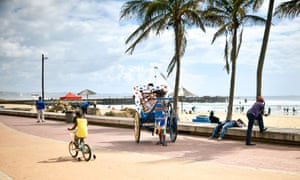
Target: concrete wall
{"type": "Point", "coordinates": [273, 135]}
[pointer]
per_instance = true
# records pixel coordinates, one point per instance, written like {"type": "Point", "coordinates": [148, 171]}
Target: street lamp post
{"type": "Point", "coordinates": [43, 58]}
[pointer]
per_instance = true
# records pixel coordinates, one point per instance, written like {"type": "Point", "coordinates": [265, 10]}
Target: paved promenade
{"type": "Point", "coordinates": [41, 149]}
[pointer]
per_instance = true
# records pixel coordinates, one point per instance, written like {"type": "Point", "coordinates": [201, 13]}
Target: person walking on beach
{"type": "Point", "coordinates": [224, 126]}
{"type": "Point", "coordinates": [40, 106]}
{"type": "Point", "coordinates": [294, 110]}
{"type": "Point", "coordinates": [256, 112]}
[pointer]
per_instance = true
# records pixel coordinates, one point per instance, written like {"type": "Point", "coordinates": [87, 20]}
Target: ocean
{"type": "Point", "coordinates": [279, 105]}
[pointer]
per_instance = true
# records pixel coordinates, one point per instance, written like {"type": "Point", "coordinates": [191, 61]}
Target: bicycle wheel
{"type": "Point", "coordinates": [86, 152]}
{"type": "Point", "coordinates": [73, 149]}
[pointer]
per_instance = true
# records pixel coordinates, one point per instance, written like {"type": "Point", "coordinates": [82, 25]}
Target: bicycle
{"type": "Point", "coordinates": [75, 147]}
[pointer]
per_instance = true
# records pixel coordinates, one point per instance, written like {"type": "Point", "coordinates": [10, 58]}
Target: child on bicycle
{"type": "Point", "coordinates": [80, 124]}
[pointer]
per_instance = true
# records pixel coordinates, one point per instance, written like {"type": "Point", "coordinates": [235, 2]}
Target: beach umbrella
{"type": "Point", "coordinates": [183, 92]}
{"type": "Point", "coordinates": [86, 93]}
{"type": "Point", "coordinates": [70, 96]}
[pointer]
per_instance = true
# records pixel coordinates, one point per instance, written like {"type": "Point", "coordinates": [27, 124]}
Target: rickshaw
{"type": "Point", "coordinates": [147, 102]}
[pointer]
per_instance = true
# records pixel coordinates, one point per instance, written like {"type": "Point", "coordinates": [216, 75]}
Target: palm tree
{"type": "Point", "coordinates": [263, 49]}
{"type": "Point", "coordinates": [288, 9]}
{"type": "Point", "coordinates": [230, 16]}
{"type": "Point", "coordinates": [160, 15]}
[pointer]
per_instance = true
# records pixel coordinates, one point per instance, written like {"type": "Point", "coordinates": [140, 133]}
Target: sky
{"type": "Point", "coordinates": [84, 42]}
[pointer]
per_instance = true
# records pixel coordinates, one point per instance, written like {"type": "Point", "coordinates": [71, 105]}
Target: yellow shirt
{"type": "Point", "coordinates": [82, 130]}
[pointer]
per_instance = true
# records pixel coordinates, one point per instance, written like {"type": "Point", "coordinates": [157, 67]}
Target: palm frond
{"type": "Point", "coordinates": [196, 18]}
{"type": "Point", "coordinates": [252, 19]}
{"type": "Point", "coordinates": [240, 42]}
{"type": "Point", "coordinates": [221, 31]}
{"type": "Point", "coordinates": [162, 24]}
{"type": "Point", "coordinates": [257, 4]}
{"type": "Point", "coordinates": [142, 36]}
{"type": "Point", "coordinates": [171, 65]}
{"type": "Point", "coordinates": [156, 8]}
{"type": "Point", "coordinates": [215, 16]}
{"type": "Point", "coordinates": [142, 33]}
{"type": "Point", "coordinates": [136, 8]}
{"type": "Point", "coordinates": [288, 9]}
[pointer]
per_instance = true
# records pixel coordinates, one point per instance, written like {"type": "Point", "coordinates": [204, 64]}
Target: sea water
{"type": "Point", "coordinates": [279, 105]}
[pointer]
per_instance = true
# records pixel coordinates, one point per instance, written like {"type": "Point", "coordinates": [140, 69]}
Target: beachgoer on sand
{"type": "Point", "coordinates": [256, 112]}
{"type": "Point", "coordinates": [224, 126]}
{"type": "Point", "coordinates": [213, 118]}
{"type": "Point", "coordinates": [294, 110]}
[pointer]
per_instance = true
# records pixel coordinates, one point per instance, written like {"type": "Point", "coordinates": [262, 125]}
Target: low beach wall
{"type": "Point", "coordinates": [273, 135]}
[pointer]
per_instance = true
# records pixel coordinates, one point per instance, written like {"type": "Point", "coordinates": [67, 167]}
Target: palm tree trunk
{"type": "Point", "coordinates": [263, 50]}
{"type": "Point", "coordinates": [233, 58]}
{"type": "Point", "coordinates": [177, 81]}
{"type": "Point", "coordinates": [178, 39]}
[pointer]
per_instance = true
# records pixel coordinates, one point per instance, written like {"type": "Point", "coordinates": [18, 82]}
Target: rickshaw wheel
{"type": "Point", "coordinates": [137, 127]}
{"type": "Point", "coordinates": [173, 129]}
{"type": "Point", "coordinates": [173, 119]}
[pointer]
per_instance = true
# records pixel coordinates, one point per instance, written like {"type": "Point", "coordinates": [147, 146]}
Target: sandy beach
{"type": "Point", "coordinates": [278, 121]}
